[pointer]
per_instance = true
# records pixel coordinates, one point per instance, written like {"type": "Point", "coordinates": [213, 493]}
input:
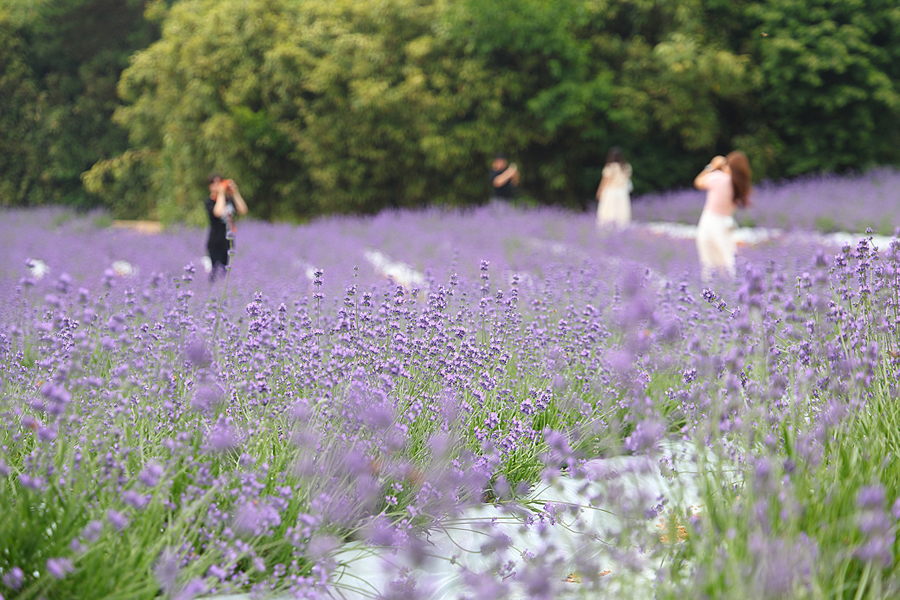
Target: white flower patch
{"type": "Point", "coordinates": [673, 230]}
{"type": "Point", "coordinates": [37, 267]}
{"type": "Point", "coordinates": [123, 268]}
{"type": "Point", "coordinates": [755, 235]}
{"type": "Point", "coordinates": [521, 279]}
{"type": "Point", "coordinates": [401, 273]}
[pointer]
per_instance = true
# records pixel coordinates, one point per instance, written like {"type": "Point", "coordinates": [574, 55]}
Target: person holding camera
{"type": "Point", "coordinates": [726, 181]}
{"type": "Point", "coordinates": [504, 179]}
{"type": "Point", "coordinates": [222, 204]}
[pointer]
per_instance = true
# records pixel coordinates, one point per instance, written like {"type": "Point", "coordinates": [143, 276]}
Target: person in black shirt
{"type": "Point", "coordinates": [222, 204]}
{"type": "Point", "coordinates": [504, 179]}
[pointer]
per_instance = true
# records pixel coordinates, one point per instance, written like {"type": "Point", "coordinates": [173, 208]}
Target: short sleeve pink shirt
{"type": "Point", "coordinates": [719, 193]}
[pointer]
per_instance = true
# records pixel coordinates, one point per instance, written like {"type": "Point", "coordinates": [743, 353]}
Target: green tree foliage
{"type": "Point", "coordinates": [319, 106]}
{"type": "Point", "coordinates": [19, 164]}
{"type": "Point", "coordinates": [67, 56]}
{"type": "Point", "coordinates": [829, 82]}
{"type": "Point", "coordinates": [313, 106]}
{"type": "Point", "coordinates": [322, 106]}
{"type": "Point", "coordinates": [638, 74]}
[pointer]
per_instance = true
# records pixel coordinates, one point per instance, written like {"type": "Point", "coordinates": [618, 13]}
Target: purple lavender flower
{"type": "Point", "coordinates": [322, 546]}
{"type": "Point", "coordinates": [255, 517]}
{"type": "Point", "coordinates": [13, 578]}
{"type": "Point", "coordinates": [92, 531]}
{"type": "Point", "coordinates": [217, 572]}
{"type": "Point", "coordinates": [31, 482]}
{"type": "Point", "coordinates": [193, 588]}
{"type": "Point", "coordinates": [59, 567]}
{"type": "Point", "coordinates": [877, 549]}
{"type": "Point", "coordinates": [198, 354]}
{"type": "Point", "coordinates": [150, 475]}
{"type": "Point", "coordinates": [876, 527]}
{"type": "Point", "coordinates": [166, 571]}
{"type": "Point", "coordinates": [222, 438]}
{"type": "Point", "coordinates": [380, 532]}
{"type": "Point", "coordinates": [645, 435]}
{"type": "Point", "coordinates": [118, 520]}
{"type": "Point", "coordinates": [135, 499]}
{"type": "Point", "coordinates": [46, 434]}
{"type": "Point", "coordinates": [780, 564]}
{"type": "Point", "coordinates": [207, 397]}
{"type": "Point", "coordinates": [870, 498]}
{"type": "Point", "coordinates": [56, 393]}
{"type": "Point", "coordinates": [485, 585]}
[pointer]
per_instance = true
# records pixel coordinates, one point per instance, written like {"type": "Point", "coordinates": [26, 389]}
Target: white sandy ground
{"type": "Point", "coordinates": [584, 535]}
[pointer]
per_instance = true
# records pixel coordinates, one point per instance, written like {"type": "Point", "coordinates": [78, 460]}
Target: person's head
{"type": "Point", "coordinates": [615, 156]}
{"type": "Point", "coordinates": [739, 167]}
{"type": "Point", "coordinates": [500, 162]}
{"type": "Point", "coordinates": [213, 180]}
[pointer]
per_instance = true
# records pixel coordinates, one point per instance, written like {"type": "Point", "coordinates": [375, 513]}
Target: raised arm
{"type": "Point", "coordinates": [219, 208]}
{"type": "Point", "coordinates": [511, 172]}
{"type": "Point", "coordinates": [714, 165]}
{"type": "Point", "coordinates": [240, 207]}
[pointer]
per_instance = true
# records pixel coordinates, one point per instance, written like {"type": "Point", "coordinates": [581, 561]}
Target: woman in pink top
{"type": "Point", "coordinates": [726, 180]}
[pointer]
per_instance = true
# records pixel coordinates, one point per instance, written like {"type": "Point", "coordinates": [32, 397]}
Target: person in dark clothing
{"type": "Point", "coordinates": [222, 204]}
{"type": "Point", "coordinates": [504, 179]}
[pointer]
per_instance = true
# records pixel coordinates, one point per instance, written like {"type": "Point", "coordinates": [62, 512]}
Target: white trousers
{"type": "Point", "coordinates": [715, 244]}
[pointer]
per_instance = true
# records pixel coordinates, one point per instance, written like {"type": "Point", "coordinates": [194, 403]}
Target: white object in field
{"type": "Point", "coordinates": [123, 268]}
{"type": "Point", "coordinates": [37, 267]}
{"type": "Point", "coordinates": [207, 264]}
{"type": "Point", "coordinates": [401, 273]}
{"type": "Point", "coordinates": [590, 516]}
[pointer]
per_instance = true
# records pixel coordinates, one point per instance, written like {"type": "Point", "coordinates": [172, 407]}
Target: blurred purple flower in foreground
{"type": "Point", "coordinates": [59, 567]}
{"type": "Point", "coordinates": [13, 578]}
{"type": "Point", "coordinates": [117, 519]}
{"type": "Point", "coordinates": [876, 526]}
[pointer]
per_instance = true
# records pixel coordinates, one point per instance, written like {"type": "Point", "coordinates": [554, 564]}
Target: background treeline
{"type": "Point", "coordinates": [320, 106]}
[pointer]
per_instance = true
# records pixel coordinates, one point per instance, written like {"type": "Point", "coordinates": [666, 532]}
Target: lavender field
{"type": "Point", "coordinates": [493, 404]}
{"type": "Point", "coordinates": [824, 203]}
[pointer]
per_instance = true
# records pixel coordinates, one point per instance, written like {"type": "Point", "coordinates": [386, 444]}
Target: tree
{"type": "Point", "coordinates": [19, 163]}
{"type": "Point", "coordinates": [829, 72]}
{"type": "Point", "coordinates": [67, 75]}
{"type": "Point", "coordinates": [640, 75]}
{"type": "Point", "coordinates": [321, 106]}
{"type": "Point", "coordinates": [315, 106]}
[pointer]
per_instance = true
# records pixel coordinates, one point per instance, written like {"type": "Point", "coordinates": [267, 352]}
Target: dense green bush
{"type": "Point", "coordinates": [62, 62]}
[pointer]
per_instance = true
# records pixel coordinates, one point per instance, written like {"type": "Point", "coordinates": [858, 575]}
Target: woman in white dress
{"type": "Point", "coordinates": [726, 181]}
{"type": "Point", "coordinates": [614, 192]}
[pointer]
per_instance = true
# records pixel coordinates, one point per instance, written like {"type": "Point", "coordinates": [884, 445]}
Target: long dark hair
{"type": "Point", "coordinates": [740, 177]}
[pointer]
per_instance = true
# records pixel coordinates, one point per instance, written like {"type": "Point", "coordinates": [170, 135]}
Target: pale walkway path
{"type": "Point", "coordinates": [757, 235]}
{"type": "Point", "coordinates": [585, 534]}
